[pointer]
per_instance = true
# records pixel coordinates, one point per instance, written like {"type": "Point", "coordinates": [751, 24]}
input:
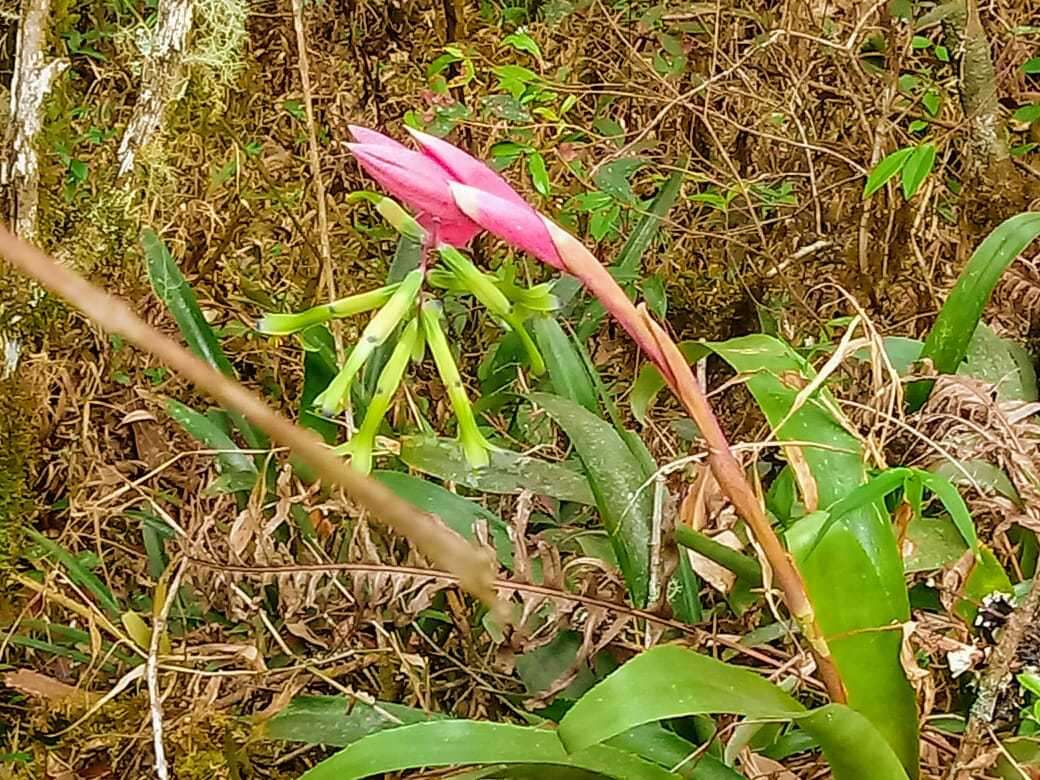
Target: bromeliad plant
{"type": "Point", "coordinates": [457, 196]}
{"type": "Point", "coordinates": [852, 622]}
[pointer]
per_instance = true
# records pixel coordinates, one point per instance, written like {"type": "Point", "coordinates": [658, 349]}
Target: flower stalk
{"type": "Point", "coordinates": [483, 288]}
{"type": "Point", "coordinates": [285, 324]}
{"type": "Point", "coordinates": [362, 443]}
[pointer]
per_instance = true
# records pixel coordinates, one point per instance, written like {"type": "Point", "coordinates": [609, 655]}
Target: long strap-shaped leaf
{"type": "Point", "coordinates": [947, 343]}
{"type": "Point", "coordinates": [174, 291]}
{"type": "Point", "coordinates": [669, 681]}
{"type": "Point", "coordinates": [854, 575]}
{"type": "Point", "coordinates": [616, 477]}
{"type": "Point", "coordinates": [463, 742]}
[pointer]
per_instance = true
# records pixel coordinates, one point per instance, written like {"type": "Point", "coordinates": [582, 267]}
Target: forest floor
{"type": "Point", "coordinates": [773, 113]}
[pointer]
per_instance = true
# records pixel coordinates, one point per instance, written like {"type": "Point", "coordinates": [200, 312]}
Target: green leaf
{"type": "Point", "coordinates": [853, 747]}
{"type": "Point", "coordinates": [603, 222]}
{"type": "Point", "coordinates": [1032, 66]}
{"type": "Point", "coordinates": [77, 572]}
{"type": "Point", "coordinates": [656, 743]}
{"type": "Point", "coordinates": [885, 170]}
{"type": "Point", "coordinates": [539, 175]}
{"type": "Point", "coordinates": [319, 368]}
{"type": "Point", "coordinates": [460, 514]}
{"type": "Point", "coordinates": [1028, 113]}
{"type": "Point", "coordinates": [875, 490]}
{"type": "Point", "coordinates": [931, 543]}
{"type": "Point", "coordinates": [948, 340]}
{"type": "Point", "coordinates": [521, 41]}
{"type": "Point", "coordinates": [669, 681]}
{"type": "Point", "coordinates": [613, 177]}
{"type": "Point", "coordinates": [199, 426]}
{"type": "Point", "coordinates": [917, 168]}
{"type": "Point", "coordinates": [566, 368]}
{"type": "Point", "coordinates": [744, 566]}
{"type": "Point", "coordinates": [630, 259]}
{"type": "Point", "coordinates": [464, 742]}
{"type": "Point", "coordinates": [901, 352]}
{"type": "Point", "coordinates": [1024, 751]}
{"type": "Point", "coordinates": [616, 478]}
{"type": "Point", "coordinates": [541, 667]}
{"type": "Point", "coordinates": [508, 472]}
{"type": "Point", "coordinates": [978, 472]}
{"type": "Point", "coordinates": [855, 575]}
{"type": "Point", "coordinates": [987, 576]}
{"type": "Point", "coordinates": [173, 290]}
{"type": "Point", "coordinates": [683, 593]}
{"type": "Point", "coordinates": [405, 260]}
{"type": "Point", "coordinates": [338, 720]}
{"type": "Point", "coordinates": [650, 382]}
{"type": "Point", "coordinates": [1001, 362]}
{"type": "Point", "coordinates": [505, 107]}
{"type": "Point", "coordinates": [655, 295]}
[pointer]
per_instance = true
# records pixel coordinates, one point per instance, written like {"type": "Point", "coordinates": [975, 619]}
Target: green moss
{"type": "Point", "coordinates": [16, 449]}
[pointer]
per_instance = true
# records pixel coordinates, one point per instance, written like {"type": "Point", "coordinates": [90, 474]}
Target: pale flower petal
{"type": "Point", "coordinates": [518, 225]}
{"type": "Point", "coordinates": [420, 183]}
{"type": "Point", "coordinates": [466, 169]}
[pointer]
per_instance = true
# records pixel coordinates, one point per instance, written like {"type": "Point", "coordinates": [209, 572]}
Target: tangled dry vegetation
{"type": "Point", "coordinates": [776, 111]}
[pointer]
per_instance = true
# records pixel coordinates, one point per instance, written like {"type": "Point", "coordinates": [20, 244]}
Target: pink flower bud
{"type": "Point", "coordinates": [419, 182]}
{"type": "Point", "coordinates": [466, 169]}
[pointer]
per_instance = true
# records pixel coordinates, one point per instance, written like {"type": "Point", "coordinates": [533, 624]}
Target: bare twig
{"type": "Point", "coordinates": [443, 546]}
{"type": "Point", "coordinates": [162, 770]}
{"type": "Point", "coordinates": [312, 146]}
{"type": "Point", "coordinates": [30, 84]}
{"type": "Point", "coordinates": [992, 683]}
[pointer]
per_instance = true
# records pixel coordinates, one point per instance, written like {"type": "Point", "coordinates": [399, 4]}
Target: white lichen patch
{"type": "Point", "coordinates": [220, 35]}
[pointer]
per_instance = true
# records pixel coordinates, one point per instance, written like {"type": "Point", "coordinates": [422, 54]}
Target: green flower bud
{"type": "Point", "coordinates": [389, 209]}
{"type": "Point", "coordinates": [284, 324]}
{"type": "Point", "coordinates": [484, 289]}
{"type": "Point", "coordinates": [334, 397]}
{"type": "Point", "coordinates": [474, 445]}
{"type": "Point", "coordinates": [480, 284]}
{"type": "Point", "coordinates": [362, 442]}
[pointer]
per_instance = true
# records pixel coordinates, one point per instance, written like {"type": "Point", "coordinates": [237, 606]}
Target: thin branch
{"type": "Point", "coordinates": [312, 146]}
{"type": "Point", "coordinates": [443, 546]}
{"type": "Point", "coordinates": [162, 770]}
{"type": "Point", "coordinates": [992, 683]}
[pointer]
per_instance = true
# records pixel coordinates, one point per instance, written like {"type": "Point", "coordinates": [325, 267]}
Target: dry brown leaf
{"type": "Point", "coordinates": [300, 629]}
{"type": "Point", "coordinates": [41, 686]}
{"type": "Point", "coordinates": [759, 766]}
{"type": "Point", "coordinates": [719, 577]}
{"type": "Point", "coordinates": [953, 579]}
{"type": "Point", "coordinates": [804, 477]}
